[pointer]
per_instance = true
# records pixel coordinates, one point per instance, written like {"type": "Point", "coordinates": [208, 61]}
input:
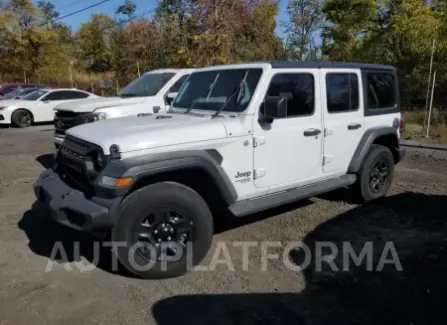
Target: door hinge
{"type": "Point", "coordinates": [328, 132]}
{"type": "Point", "coordinates": [258, 173]}
{"type": "Point", "coordinates": [257, 141]}
{"type": "Point", "coordinates": [327, 160]}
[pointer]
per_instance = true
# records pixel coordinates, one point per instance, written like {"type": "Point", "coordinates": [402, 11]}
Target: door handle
{"type": "Point", "coordinates": [311, 132]}
{"type": "Point", "coordinates": [354, 126]}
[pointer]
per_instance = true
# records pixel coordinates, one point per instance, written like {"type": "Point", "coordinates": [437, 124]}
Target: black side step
{"type": "Point", "coordinates": [245, 207]}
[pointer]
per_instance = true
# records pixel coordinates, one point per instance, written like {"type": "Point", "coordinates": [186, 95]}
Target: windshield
{"type": "Point", "coordinates": [11, 94]}
{"type": "Point", "coordinates": [147, 85]}
{"type": "Point", "coordinates": [19, 93]}
{"type": "Point", "coordinates": [35, 95]}
{"type": "Point", "coordinates": [210, 90]}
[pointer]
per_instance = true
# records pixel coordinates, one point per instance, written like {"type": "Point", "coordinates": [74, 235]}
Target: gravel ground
{"type": "Point", "coordinates": [38, 288]}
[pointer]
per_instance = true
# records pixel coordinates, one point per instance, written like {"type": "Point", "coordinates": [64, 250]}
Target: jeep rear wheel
{"type": "Point", "coordinates": [376, 174]}
{"type": "Point", "coordinates": [163, 229]}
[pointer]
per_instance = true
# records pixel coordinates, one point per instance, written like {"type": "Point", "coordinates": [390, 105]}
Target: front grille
{"type": "Point", "coordinates": [63, 120]}
{"type": "Point", "coordinates": [75, 163]}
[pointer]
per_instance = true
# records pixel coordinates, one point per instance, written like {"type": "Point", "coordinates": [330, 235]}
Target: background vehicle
{"type": "Point", "coordinates": [238, 138]}
{"type": "Point", "coordinates": [149, 94]}
{"type": "Point", "coordinates": [37, 106]}
{"type": "Point", "coordinates": [19, 93]}
{"type": "Point", "coordinates": [7, 88]}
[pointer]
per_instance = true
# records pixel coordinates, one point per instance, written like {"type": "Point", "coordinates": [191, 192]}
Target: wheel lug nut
{"type": "Point", "coordinates": [155, 231]}
{"type": "Point", "coordinates": [169, 238]}
{"type": "Point", "coordinates": [159, 240]}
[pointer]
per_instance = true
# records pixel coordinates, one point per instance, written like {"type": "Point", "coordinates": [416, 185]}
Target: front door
{"type": "Point", "coordinates": [343, 117]}
{"type": "Point", "coordinates": [288, 151]}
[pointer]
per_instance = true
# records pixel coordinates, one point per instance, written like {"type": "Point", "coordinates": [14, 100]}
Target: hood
{"type": "Point", "coordinates": [90, 104]}
{"type": "Point", "coordinates": [144, 132]}
{"type": "Point", "coordinates": [13, 102]}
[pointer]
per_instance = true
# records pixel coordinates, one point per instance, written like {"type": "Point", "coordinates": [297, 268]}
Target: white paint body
{"type": "Point", "coordinates": [285, 158]}
{"type": "Point", "coordinates": [41, 109]}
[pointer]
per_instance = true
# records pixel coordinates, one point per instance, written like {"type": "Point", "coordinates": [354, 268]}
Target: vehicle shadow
{"type": "Point", "coordinates": [64, 245]}
{"type": "Point", "coordinates": [47, 239]}
{"type": "Point", "coordinates": [347, 292]}
{"type": "Point", "coordinates": [46, 160]}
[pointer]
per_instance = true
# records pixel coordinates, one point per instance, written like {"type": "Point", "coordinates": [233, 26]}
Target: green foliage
{"type": "Point", "coordinates": [195, 33]}
{"type": "Point", "coordinates": [305, 20]}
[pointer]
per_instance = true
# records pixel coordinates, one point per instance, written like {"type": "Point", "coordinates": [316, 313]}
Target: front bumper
{"type": "Point", "coordinates": [71, 208]}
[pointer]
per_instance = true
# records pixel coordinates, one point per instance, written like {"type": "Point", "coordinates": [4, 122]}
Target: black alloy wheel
{"type": "Point", "coordinates": [379, 175]}
{"type": "Point", "coordinates": [162, 234]}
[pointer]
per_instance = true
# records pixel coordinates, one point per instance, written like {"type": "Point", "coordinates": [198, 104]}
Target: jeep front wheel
{"type": "Point", "coordinates": [163, 230]}
{"type": "Point", "coordinates": [376, 174]}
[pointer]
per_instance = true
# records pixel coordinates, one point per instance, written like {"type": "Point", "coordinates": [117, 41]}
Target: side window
{"type": "Point", "coordinates": [381, 90]}
{"type": "Point", "coordinates": [57, 95]}
{"type": "Point", "coordinates": [299, 90]}
{"type": "Point", "coordinates": [74, 95]}
{"type": "Point", "coordinates": [65, 95]}
{"type": "Point", "coordinates": [178, 84]}
{"type": "Point", "coordinates": [342, 92]}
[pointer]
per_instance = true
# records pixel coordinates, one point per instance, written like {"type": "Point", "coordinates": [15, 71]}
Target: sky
{"type": "Point", "coordinates": [65, 7]}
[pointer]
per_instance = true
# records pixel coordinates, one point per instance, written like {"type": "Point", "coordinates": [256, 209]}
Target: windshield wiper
{"type": "Point", "coordinates": [194, 102]}
{"type": "Point", "coordinates": [237, 91]}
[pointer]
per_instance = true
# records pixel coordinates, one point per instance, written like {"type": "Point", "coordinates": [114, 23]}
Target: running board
{"type": "Point", "coordinates": [245, 207]}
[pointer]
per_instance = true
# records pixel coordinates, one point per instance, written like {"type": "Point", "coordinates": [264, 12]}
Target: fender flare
{"type": "Point", "coordinates": [151, 165]}
{"type": "Point", "coordinates": [365, 143]}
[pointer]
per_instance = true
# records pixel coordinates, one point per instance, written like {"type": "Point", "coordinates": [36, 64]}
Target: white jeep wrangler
{"type": "Point", "coordinates": [149, 94]}
{"type": "Point", "coordinates": [238, 138]}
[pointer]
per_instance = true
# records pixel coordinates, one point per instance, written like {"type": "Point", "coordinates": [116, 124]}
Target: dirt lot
{"type": "Point", "coordinates": [36, 289]}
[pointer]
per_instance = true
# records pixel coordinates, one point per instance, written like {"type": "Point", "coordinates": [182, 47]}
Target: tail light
{"type": "Point", "coordinates": [401, 125]}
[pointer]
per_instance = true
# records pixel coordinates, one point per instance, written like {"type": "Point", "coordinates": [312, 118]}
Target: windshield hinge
{"type": "Point", "coordinates": [257, 141]}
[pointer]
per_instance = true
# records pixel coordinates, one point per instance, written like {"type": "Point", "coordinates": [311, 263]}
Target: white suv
{"type": "Point", "coordinates": [238, 138]}
{"type": "Point", "coordinates": [149, 94]}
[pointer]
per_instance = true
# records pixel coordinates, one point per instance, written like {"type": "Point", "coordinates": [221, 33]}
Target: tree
{"type": "Point", "coordinates": [127, 9]}
{"type": "Point", "coordinates": [93, 42]}
{"type": "Point", "coordinates": [305, 22]}
{"type": "Point", "coordinates": [397, 32]}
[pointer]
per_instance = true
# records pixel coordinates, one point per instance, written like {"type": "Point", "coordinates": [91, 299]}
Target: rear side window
{"type": "Point", "coordinates": [298, 88]}
{"type": "Point", "coordinates": [342, 92]}
{"type": "Point", "coordinates": [380, 90]}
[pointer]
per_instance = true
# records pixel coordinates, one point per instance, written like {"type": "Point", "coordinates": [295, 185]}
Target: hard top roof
{"type": "Point", "coordinates": [333, 65]}
{"type": "Point", "coordinates": [300, 65]}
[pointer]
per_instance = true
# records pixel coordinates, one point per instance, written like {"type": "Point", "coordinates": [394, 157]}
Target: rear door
{"type": "Point", "coordinates": [343, 116]}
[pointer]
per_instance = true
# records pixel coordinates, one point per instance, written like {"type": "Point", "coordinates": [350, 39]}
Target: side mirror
{"type": "Point", "coordinates": [275, 107]}
{"type": "Point", "coordinates": [46, 101]}
{"type": "Point", "coordinates": [170, 98]}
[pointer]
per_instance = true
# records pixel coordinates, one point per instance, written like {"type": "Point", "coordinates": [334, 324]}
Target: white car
{"type": "Point", "coordinates": [149, 94]}
{"type": "Point", "coordinates": [238, 138]}
{"type": "Point", "coordinates": [38, 106]}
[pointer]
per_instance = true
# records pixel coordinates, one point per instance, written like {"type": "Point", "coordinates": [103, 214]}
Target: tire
{"type": "Point", "coordinates": [143, 209]}
{"type": "Point", "coordinates": [22, 118]}
{"type": "Point", "coordinates": [371, 184]}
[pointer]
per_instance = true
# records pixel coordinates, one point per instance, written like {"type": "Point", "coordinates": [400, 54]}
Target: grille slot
{"type": "Point", "coordinates": [63, 120]}
{"type": "Point", "coordinates": [74, 160]}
